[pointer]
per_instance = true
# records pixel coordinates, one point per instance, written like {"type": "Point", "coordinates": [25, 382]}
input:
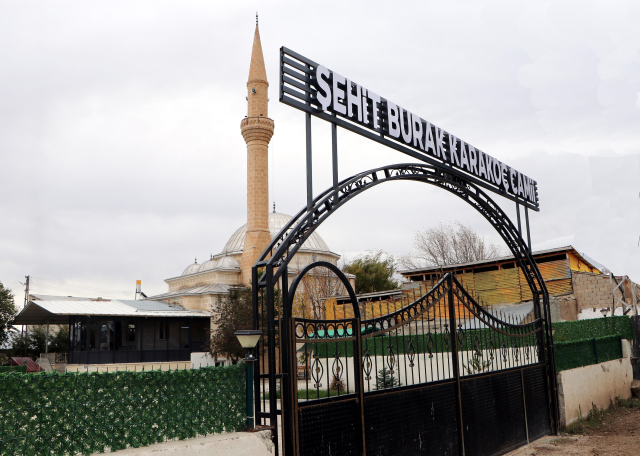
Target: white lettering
{"type": "Point", "coordinates": [338, 93]}
{"type": "Point", "coordinates": [429, 144]}
{"type": "Point", "coordinates": [375, 99]}
{"type": "Point", "coordinates": [354, 100]}
{"type": "Point", "coordinates": [417, 132]}
{"type": "Point", "coordinates": [464, 160]}
{"type": "Point", "coordinates": [405, 120]}
{"type": "Point", "coordinates": [453, 154]}
{"type": "Point", "coordinates": [482, 170]}
{"type": "Point", "coordinates": [324, 90]}
{"type": "Point", "coordinates": [473, 159]}
{"type": "Point", "coordinates": [393, 119]}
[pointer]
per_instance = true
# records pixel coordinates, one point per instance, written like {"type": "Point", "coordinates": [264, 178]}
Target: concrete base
{"type": "Point", "coordinates": [235, 443]}
{"type": "Point", "coordinates": [599, 384]}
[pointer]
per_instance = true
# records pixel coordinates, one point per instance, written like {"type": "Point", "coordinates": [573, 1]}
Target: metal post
{"type": "Point", "coordinates": [526, 216]}
{"type": "Point", "coordinates": [255, 286]}
{"type": "Point", "coordinates": [250, 420]}
{"type": "Point", "coordinates": [46, 343]}
{"type": "Point", "coordinates": [289, 382]}
{"type": "Point", "coordinates": [271, 341]}
{"type": "Point", "coordinates": [334, 160]}
{"type": "Point", "coordinates": [518, 213]}
{"type": "Point", "coordinates": [309, 163]}
{"type": "Point", "coordinates": [454, 357]}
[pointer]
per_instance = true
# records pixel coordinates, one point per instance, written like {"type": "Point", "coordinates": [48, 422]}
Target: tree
{"type": "Point", "coordinates": [8, 312]}
{"type": "Point", "coordinates": [315, 287]}
{"type": "Point", "coordinates": [234, 312]}
{"type": "Point", "coordinates": [374, 272]}
{"type": "Point", "coordinates": [36, 341]}
{"type": "Point", "coordinates": [385, 379]}
{"type": "Point", "coordinates": [449, 244]}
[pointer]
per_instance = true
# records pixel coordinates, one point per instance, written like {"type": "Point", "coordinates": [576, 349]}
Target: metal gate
{"type": "Point", "coordinates": [438, 376]}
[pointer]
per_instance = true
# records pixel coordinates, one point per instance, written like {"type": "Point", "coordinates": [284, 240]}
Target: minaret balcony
{"type": "Point", "coordinates": [257, 129]}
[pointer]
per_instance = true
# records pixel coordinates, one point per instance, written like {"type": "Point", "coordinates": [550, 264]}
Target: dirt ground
{"type": "Point", "coordinates": [619, 436]}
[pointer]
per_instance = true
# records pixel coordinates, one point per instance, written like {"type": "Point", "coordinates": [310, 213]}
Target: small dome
{"type": "Point", "coordinates": [208, 265]}
{"type": "Point", "coordinates": [276, 223]}
{"type": "Point", "coordinates": [226, 262]}
{"type": "Point", "coordinates": [191, 268]}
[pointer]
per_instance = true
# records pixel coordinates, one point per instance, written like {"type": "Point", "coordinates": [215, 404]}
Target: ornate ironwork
{"type": "Point", "coordinates": [317, 370]}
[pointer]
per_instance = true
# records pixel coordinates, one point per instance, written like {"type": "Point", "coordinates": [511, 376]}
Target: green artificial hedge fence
{"type": "Point", "coordinates": [438, 342]}
{"type": "Point", "coordinates": [22, 369]}
{"type": "Point", "coordinates": [568, 331]}
{"type": "Point", "coordinates": [578, 353]}
{"type": "Point", "coordinates": [67, 414]}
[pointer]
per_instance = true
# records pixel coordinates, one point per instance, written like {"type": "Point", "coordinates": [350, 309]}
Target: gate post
{"type": "Point", "coordinates": [357, 372]}
{"type": "Point", "coordinates": [454, 356]}
{"type": "Point", "coordinates": [289, 380]}
{"type": "Point", "coordinates": [271, 350]}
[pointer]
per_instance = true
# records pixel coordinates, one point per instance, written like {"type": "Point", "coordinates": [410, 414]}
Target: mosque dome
{"type": "Point", "coordinates": [207, 265]}
{"type": "Point", "coordinates": [192, 268]}
{"type": "Point", "coordinates": [276, 222]}
{"type": "Point", "coordinates": [226, 262]}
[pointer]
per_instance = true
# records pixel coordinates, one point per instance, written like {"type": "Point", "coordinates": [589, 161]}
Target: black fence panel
{"type": "Point", "coordinates": [420, 421]}
{"type": "Point", "coordinates": [493, 414]}
{"type": "Point", "coordinates": [537, 402]}
{"type": "Point", "coordinates": [330, 428]}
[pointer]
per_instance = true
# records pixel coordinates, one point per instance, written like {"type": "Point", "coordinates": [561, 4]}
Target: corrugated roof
{"type": "Point", "coordinates": [32, 366]}
{"type": "Point", "coordinates": [214, 288]}
{"type": "Point", "coordinates": [41, 297]}
{"type": "Point", "coordinates": [58, 312]}
{"type": "Point", "coordinates": [449, 267]}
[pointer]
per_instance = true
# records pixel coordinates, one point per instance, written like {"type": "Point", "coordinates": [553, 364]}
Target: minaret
{"type": "Point", "coordinates": [257, 130]}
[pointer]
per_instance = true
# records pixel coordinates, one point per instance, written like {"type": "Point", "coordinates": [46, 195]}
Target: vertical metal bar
{"type": "Point", "coordinates": [334, 160]}
{"type": "Point", "coordinates": [526, 216]}
{"type": "Point", "coordinates": [289, 377]}
{"type": "Point", "coordinates": [255, 288]}
{"type": "Point", "coordinates": [518, 213]}
{"type": "Point", "coordinates": [291, 441]}
{"type": "Point", "coordinates": [454, 357]}
{"type": "Point", "coordinates": [309, 162]}
{"type": "Point", "coordinates": [357, 372]}
{"type": "Point", "coordinates": [271, 351]}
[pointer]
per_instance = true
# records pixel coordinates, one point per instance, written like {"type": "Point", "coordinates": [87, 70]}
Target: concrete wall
{"type": "Point", "coordinates": [592, 290]}
{"type": "Point", "coordinates": [599, 384]}
{"type": "Point", "coordinates": [135, 367]}
{"type": "Point", "coordinates": [235, 443]}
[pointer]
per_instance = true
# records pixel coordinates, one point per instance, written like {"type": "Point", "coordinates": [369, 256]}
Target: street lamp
{"type": "Point", "coordinates": [604, 311]}
{"type": "Point", "coordinates": [248, 339]}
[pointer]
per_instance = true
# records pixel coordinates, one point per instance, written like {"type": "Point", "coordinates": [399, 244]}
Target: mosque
{"type": "Point", "coordinates": [199, 285]}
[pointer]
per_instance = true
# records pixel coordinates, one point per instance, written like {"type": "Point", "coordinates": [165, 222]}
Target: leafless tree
{"type": "Point", "coordinates": [449, 244]}
{"type": "Point", "coordinates": [315, 287]}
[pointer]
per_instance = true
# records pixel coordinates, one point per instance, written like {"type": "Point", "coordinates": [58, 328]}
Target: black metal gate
{"type": "Point", "coordinates": [466, 381]}
{"type": "Point", "coordinates": [437, 376]}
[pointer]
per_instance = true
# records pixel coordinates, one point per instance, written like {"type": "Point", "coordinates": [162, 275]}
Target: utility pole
{"type": "Point", "coordinates": [26, 301]}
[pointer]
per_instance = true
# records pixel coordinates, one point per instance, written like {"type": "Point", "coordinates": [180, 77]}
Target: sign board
{"type": "Point", "coordinates": [312, 87]}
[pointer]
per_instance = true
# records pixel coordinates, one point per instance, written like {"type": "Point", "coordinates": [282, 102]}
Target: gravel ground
{"type": "Point", "coordinates": [619, 436]}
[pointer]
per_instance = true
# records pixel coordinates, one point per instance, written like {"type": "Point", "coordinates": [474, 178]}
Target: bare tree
{"type": "Point", "coordinates": [314, 289]}
{"type": "Point", "coordinates": [449, 244]}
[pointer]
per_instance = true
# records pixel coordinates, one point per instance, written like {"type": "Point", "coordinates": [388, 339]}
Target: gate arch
{"type": "Point", "coordinates": [278, 254]}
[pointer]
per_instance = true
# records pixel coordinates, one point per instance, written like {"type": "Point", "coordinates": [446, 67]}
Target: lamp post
{"type": "Point", "coordinates": [248, 339]}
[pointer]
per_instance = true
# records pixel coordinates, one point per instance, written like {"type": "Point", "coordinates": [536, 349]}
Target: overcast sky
{"type": "Point", "coordinates": [121, 153]}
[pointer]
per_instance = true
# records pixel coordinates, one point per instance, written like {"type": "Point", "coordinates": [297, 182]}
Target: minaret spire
{"type": "Point", "coordinates": [257, 130]}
